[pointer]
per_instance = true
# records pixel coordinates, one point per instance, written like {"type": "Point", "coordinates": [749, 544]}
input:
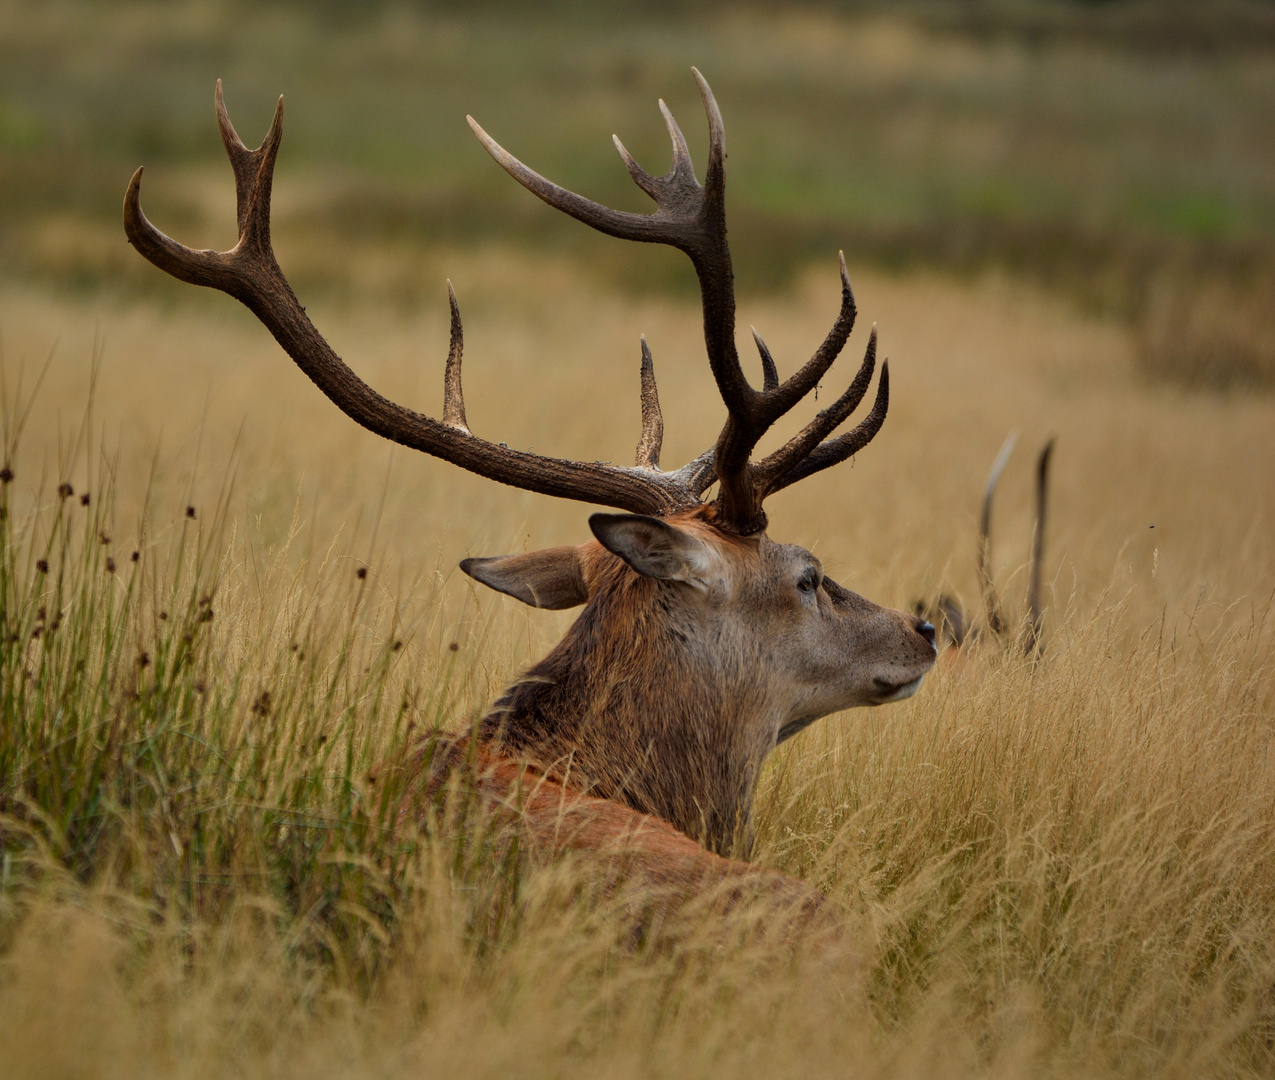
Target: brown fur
{"type": "Point", "coordinates": [641, 735]}
{"type": "Point", "coordinates": [625, 848]}
{"type": "Point", "coordinates": [668, 700]}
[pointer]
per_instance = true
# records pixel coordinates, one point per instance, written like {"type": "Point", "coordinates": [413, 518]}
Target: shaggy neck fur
{"type": "Point", "coordinates": [644, 702]}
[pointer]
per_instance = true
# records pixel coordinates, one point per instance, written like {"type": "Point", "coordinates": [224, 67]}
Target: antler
{"type": "Point", "coordinates": [692, 217]}
{"type": "Point", "coordinates": [688, 216]}
{"type": "Point", "coordinates": [995, 620]}
{"type": "Point", "coordinates": [250, 273]}
{"type": "Point", "coordinates": [1035, 615]}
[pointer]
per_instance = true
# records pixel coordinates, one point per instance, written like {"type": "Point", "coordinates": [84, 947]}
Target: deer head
{"type": "Point", "coordinates": [702, 643]}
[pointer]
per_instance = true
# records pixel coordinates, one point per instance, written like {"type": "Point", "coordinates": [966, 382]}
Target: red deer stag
{"type": "Point", "coordinates": [703, 643]}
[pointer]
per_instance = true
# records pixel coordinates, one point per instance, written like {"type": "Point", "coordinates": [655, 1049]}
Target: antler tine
{"type": "Point", "coordinates": [195, 267]}
{"type": "Point", "coordinates": [648, 448]}
{"type": "Point", "coordinates": [1035, 625]}
{"type": "Point", "coordinates": [835, 451]}
{"type": "Point", "coordinates": [682, 169]}
{"type": "Point", "coordinates": [254, 173]}
{"type": "Point", "coordinates": [682, 163]}
{"type": "Point", "coordinates": [648, 183]}
{"type": "Point", "coordinates": [800, 445]}
{"type": "Point", "coordinates": [250, 273]}
{"type": "Point", "coordinates": [807, 377]}
{"type": "Point", "coordinates": [648, 228]}
{"type": "Point", "coordinates": [769, 373]}
{"type": "Point", "coordinates": [715, 174]}
{"type": "Point", "coordinates": [995, 621]}
{"type": "Point", "coordinates": [453, 391]}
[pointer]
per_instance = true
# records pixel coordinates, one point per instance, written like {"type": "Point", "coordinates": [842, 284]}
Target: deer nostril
{"type": "Point", "coordinates": [926, 630]}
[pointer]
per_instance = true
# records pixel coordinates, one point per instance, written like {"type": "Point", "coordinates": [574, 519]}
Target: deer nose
{"type": "Point", "coordinates": [926, 630]}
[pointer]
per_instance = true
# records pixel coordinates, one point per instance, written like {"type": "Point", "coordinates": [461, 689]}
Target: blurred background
{"type": "Point", "coordinates": [1119, 153]}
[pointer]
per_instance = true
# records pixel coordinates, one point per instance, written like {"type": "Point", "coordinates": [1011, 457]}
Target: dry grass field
{"type": "Point", "coordinates": [1057, 868]}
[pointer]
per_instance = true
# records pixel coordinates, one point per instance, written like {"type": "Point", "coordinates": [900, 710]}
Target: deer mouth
{"type": "Point", "coordinates": [889, 691]}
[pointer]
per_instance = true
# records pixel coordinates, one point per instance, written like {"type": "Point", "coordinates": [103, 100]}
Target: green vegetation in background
{"type": "Point", "coordinates": [1122, 152]}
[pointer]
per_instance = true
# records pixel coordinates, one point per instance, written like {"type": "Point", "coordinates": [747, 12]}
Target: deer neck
{"type": "Point", "coordinates": [651, 704]}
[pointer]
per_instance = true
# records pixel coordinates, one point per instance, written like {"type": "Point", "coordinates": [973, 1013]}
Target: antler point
{"type": "Point", "coordinates": [133, 203]}
{"type": "Point", "coordinates": [629, 163]}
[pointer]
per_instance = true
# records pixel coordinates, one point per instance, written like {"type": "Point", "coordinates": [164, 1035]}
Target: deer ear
{"type": "Point", "coordinates": [552, 578]}
{"type": "Point", "coordinates": [653, 547]}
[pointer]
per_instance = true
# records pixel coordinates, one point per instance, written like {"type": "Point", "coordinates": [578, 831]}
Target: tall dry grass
{"type": "Point", "coordinates": [1062, 868]}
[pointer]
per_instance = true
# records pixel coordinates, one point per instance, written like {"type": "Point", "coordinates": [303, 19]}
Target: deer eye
{"type": "Point", "coordinates": [808, 582]}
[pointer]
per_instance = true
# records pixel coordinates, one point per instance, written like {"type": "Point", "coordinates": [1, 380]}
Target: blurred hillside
{"type": "Point", "coordinates": [1122, 153]}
